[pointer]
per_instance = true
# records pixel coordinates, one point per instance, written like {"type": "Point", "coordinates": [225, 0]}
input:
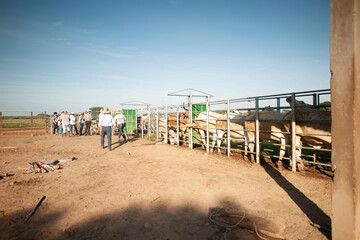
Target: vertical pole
{"type": "Point", "coordinates": [0, 121]}
{"type": "Point", "coordinates": [157, 124]}
{"type": "Point", "coordinates": [257, 135]}
{"type": "Point", "coordinates": [148, 113]}
{"type": "Point", "coordinates": [228, 127]}
{"type": "Point", "coordinates": [293, 133]}
{"type": "Point", "coordinates": [191, 121]}
{"type": "Point", "coordinates": [31, 119]}
{"type": "Point", "coordinates": [51, 124]}
{"type": "Point", "coordinates": [166, 124]}
{"type": "Point", "coordinates": [136, 122]}
{"type": "Point", "coordinates": [278, 104]}
{"type": "Point", "coordinates": [315, 102]}
{"type": "Point", "coordinates": [177, 125]}
{"type": "Point", "coordinates": [142, 124]}
{"type": "Point", "coordinates": [45, 123]}
{"type": "Point", "coordinates": [249, 106]}
{"type": "Point", "coordinates": [207, 125]}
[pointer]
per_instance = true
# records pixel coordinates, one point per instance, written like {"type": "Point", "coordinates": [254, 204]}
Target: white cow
{"type": "Point", "coordinates": [237, 122]}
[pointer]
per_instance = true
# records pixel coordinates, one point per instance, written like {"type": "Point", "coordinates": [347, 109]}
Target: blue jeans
{"type": "Point", "coordinates": [107, 131]}
{"type": "Point", "coordinates": [81, 128]}
{"type": "Point", "coordinates": [121, 130]}
{"type": "Point", "coordinates": [56, 127]}
{"type": "Point", "coordinates": [60, 130]}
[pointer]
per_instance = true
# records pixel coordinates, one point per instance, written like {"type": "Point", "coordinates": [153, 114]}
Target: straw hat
{"type": "Point", "coordinates": [117, 111]}
{"type": "Point", "coordinates": [106, 110]}
{"type": "Point", "coordinates": [82, 113]}
{"type": "Point", "coordinates": [72, 113]}
{"type": "Point", "coordinates": [64, 112]}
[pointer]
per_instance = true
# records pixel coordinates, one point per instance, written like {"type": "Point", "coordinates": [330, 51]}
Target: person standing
{"type": "Point", "coordinates": [73, 124]}
{"type": "Point", "coordinates": [59, 124]}
{"type": "Point", "coordinates": [81, 122]}
{"type": "Point", "coordinates": [88, 119]}
{"type": "Point", "coordinates": [120, 121]}
{"type": "Point", "coordinates": [65, 122]}
{"type": "Point", "coordinates": [55, 123]}
{"type": "Point", "coordinates": [106, 121]}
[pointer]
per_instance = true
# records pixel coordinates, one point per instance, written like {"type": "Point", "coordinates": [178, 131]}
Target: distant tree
{"type": "Point", "coordinates": [95, 109]}
{"type": "Point", "coordinates": [326, 103]}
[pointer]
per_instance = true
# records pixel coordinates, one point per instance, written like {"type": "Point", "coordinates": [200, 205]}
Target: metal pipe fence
{"type": "Point", "coordinates": [277, 121]}
{"type": "Point", "coordinates": [18, 122]}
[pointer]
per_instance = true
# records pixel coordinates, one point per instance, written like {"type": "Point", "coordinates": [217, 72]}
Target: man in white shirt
{"type": "Point", "coordinates": [73, 124]}
{"type": "Point", "coordinates": [106, 121]}
{"type": "Point", "coordinates": [65, 122]}
{"type": "Point", "coordinates": [120, 121]}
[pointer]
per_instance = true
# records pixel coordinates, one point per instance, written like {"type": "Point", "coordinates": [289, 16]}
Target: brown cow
{"type": "Point", "coordinates": [313, 127]}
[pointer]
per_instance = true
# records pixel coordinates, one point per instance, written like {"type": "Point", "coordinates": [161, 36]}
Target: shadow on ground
{"type": "Point", "coordinates": [136, 222]}
{"type": "Point", "coordinates": [307, 206]}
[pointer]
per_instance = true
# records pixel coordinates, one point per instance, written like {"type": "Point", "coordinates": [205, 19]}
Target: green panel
{"type": "Point", "coordinates": [196, 110]}
{"type": "Point", "coordinates": [130, 115]}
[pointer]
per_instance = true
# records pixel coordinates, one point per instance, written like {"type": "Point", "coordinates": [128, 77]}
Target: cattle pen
{"type": "Point", "coordinates": [297, 123]}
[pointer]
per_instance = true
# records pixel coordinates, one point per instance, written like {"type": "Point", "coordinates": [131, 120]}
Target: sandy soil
{"type": "Point", "coordinates": [144, 190]}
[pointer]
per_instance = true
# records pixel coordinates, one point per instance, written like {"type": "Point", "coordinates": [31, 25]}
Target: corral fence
{"type": "Point", "coordinates": [23, 122]}
{"type": "Point", "coordinates": [270, 125]}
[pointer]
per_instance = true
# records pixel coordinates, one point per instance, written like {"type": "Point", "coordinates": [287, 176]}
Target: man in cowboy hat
{"type": "Point", "coordinates": [87, 119]}
{"type": "Point", "coordinates": [81, 122]}
{"type": "Point", "coordinates": [105, 123]}
{"type": "Point", "coordinates": [73, 124]}
{"type": "Point", "coordinates": [120, 122]}
{"type": "Point", "coordinates": [65, 122]}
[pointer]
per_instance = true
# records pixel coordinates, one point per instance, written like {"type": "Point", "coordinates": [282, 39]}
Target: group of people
{"type": "Point", "coordinates": [66, 125]}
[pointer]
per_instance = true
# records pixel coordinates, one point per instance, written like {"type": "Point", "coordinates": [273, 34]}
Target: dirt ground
{"type": "Point", "coordinates": [148, 190]}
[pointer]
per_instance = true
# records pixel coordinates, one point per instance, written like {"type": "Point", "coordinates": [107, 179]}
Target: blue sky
{"type": "Point", "coordinates": [73, 55]}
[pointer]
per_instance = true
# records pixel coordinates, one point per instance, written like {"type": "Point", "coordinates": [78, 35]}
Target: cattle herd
{"type": "Point", "coordinates": [312, 127]}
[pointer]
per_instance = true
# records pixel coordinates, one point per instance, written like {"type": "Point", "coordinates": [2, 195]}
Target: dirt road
{"type": "Point", "coordinates": [143, 190]}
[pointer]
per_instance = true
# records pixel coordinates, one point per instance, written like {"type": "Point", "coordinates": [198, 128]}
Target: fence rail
{"type": "Point", "coordinates": [210, 122]}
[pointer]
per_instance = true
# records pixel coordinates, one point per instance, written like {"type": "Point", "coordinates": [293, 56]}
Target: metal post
{"type": "Point", "coordinates": [45, 123]}
{"type": "Point", "coordinates": [157, 124]}
{"type": "Point", "coordinates": [228, 127]}
{"type": "Point", "coordinates": [315, 102]}
{"type": "Point", "coordinates": [207, 124]}
{"type": "Point", "coordinates": [166, 124]}
{"type": "Point", "coordinates": [249, 106]}
{"type": "Point", "coordinates": [136, 124]}
{"type": "Point", "coordinates": [177, 125]}
{"type": "Point", "coordinates": [31, 119]}
{"type": "Point", "coordinates": [148, 113]}
{"type": "Point", "coordinates": [257, 135]}
{"type": "Point", "coordinates": [142, 124]}
{"type": "Point", "coordinates": [278, 104]}
{"type": "Point", "coordinates": [293, 133]}
{"type": "Point", "coordinates": [191, 121]}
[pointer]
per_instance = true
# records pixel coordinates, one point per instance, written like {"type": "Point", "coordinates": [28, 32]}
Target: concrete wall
{"type": "Point", "coordinates": [345, 106]}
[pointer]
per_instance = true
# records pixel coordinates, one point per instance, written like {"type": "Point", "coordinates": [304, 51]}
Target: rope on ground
{"type": "Point", "coordinates": [226, 225]}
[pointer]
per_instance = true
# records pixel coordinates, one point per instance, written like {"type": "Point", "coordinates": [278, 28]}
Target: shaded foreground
{"type": "Point", "coordinates": [143, 190]}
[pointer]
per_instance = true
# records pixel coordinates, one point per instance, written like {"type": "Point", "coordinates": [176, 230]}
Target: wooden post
{"type": "Point", "coordinates": [345, 114]}
{"type": "Point", "coordinates": [45, 123]}
{"type": "Point", "coordinates": [0, 120]}
{"type": "Point", "coordinates": [32, 120]}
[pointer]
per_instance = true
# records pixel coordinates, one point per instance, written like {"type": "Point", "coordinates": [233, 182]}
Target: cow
{"type": "Point", "coordinates": [200, 125]}
{"type": "Point", "coordinates": [270, 128]}
{"type": "Point", "coordinates": [313, 127]}
{"type": "Point", "coordinates": [237, 122]}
